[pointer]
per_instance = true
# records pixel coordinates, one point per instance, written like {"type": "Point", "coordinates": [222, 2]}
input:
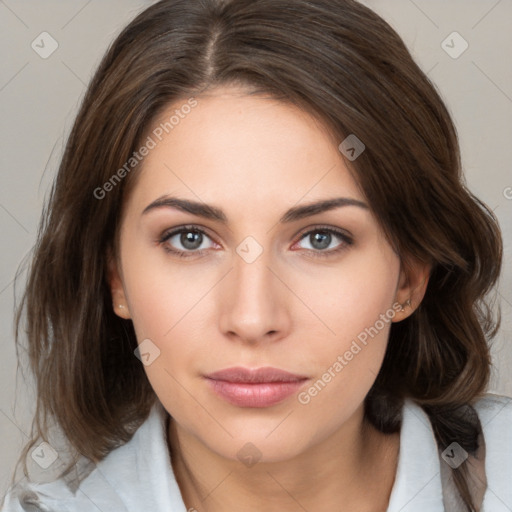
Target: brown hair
{"type": "Point", "coordinates": [338, 60]}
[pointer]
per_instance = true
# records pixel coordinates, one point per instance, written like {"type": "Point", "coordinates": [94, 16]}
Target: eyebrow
{"type": "Point", "coordinates": [216, 214]}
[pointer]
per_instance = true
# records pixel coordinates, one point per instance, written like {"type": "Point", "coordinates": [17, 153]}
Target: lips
{"type": "Point", "coordinates": [260, 387]}
{"type": "Point", "coordinates": [256, 376]}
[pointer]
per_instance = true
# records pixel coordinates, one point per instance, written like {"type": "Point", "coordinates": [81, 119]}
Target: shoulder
{"type": "Point", "coordinates": [126, 479]}
{"type": "Point", "coordinates": [491, 406]}
{"type": "Point", "coordinates": [420, 482]}
{"type": "Point", "coordinates": [495, 413]}
{"type": "Point", "coordinates": [64, 494]}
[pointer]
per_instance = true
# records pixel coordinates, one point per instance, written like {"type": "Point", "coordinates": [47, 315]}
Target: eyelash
{"type": "Point", "coordinates": [346, 241]}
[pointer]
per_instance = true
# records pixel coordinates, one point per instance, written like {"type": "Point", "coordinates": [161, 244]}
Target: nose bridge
{"type": "Point", "coordinates": [252, 304]}
{"type": "Point", "coordinates": [252, 275]}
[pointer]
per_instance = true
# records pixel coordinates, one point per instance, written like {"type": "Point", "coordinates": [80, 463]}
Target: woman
{"type": "Point", "coordinates": [260, 283]}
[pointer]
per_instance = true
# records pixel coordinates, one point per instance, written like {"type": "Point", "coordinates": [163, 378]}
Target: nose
{"type": "Point", "coordinates": [254, 303]}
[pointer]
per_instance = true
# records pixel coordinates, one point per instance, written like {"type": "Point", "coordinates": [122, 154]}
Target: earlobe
{"type": "Point", "coordinates": [121, 310]}
{"type": "Point", "coordinates": [412, 287]}
{"type": "Point", "coordinates": [115, 283]}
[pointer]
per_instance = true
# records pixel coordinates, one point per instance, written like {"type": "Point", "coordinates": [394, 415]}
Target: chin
{"type": "Point", "coordinates": [258, 441]}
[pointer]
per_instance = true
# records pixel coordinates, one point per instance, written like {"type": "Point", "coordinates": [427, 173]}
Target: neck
{"type": "Point", "coordinates": [332, 474]}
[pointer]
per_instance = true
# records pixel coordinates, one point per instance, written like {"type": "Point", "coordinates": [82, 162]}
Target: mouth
{"type": "Point", "coordinates": [261, 387]}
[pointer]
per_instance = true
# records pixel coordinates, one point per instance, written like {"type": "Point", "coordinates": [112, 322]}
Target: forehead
{"type": "Point", "coordinates": [246, 150]}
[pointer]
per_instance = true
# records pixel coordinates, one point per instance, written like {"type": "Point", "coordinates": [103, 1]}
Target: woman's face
{"type": "Point", "coordinates": [263, 281]}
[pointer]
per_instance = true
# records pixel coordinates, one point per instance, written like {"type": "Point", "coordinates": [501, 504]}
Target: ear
{"type": "Point", "coordinates": [115, 282]}
{"type": "Point", "coordinates": [412, 285]}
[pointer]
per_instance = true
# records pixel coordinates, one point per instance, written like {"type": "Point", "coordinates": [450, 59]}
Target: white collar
{"type": "Point", "coordinates": [138, 475]}
{"type": "Point", "coordinates": [418, 478]}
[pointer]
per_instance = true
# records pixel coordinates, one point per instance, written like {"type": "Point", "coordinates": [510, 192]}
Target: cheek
{"type": "Point", "coordinates": [167, 309]}
{"type": "Point", "coordinates": [161, 296]}
{"type": "Point", "coordinates": [350, 299]}
{"type": "Point", "coordinates": [357, 309]}
{"type": "Point", "coordinates": [165, 327]}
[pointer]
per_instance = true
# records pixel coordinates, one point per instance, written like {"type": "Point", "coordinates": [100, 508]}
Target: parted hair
{"type": "Point", "coordinates": [343, 63]}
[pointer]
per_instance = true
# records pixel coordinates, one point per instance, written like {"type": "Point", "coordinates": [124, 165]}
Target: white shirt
{"type": "Point", "coordinates": [138, 476]}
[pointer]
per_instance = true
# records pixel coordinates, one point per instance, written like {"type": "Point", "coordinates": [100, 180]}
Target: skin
{"type": "Point", "coordinates": [255, 158]}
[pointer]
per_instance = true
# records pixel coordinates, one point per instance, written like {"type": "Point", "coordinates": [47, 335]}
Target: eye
{"type": "Point", "coordinates": [321, 238]}
{"type": "Point", "coordinates": [191, 239]}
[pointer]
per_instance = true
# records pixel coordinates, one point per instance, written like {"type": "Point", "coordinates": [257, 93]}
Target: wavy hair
{"type": "Point", "coordinates": [338, 60]}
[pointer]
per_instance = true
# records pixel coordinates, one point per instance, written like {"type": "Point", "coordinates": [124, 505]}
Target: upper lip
{"type": "Point", "coordinates": [255, 376]}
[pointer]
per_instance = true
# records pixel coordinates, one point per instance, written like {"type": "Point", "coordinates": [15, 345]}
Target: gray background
{"type": "Point", "coordinates": [39, 98]}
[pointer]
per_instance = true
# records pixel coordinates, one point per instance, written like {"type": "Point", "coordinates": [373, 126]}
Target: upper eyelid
{"type": "Point", "coordinates": [320, 227]}
{"type": "Point", "coordinates": [175, 231]}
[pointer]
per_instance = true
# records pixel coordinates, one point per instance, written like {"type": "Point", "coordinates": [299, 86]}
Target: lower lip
{"type": "Point", "coordinates": [262, 394]}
